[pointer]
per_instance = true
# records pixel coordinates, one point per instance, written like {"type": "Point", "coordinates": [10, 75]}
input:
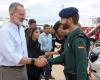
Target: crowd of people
{"type": "Point", "coordinates": [27, 54]}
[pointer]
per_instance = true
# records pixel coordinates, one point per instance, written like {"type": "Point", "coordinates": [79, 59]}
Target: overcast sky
{"type": "Point", "coordinates": [46, 11]}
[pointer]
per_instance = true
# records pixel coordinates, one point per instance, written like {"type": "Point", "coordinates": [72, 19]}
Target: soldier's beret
{"type": "Point", "coordinates": [68, 12]}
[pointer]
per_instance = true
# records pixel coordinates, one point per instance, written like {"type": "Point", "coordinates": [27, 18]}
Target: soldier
{"type": "Point", "coordinates": [76, 47]}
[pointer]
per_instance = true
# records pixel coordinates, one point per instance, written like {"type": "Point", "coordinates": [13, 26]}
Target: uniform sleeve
{"type": "Point", "coordinates": [7, 48]}
{"type": "Point", "coordinates": [81, 59]}
{"type": "Point", "coordinates": [58, 60]}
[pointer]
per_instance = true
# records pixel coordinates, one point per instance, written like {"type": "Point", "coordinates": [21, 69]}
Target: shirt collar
{"type": "Point", "coordinates": [14, 26]}
{"type": "Point", "coordinates": [45, 34]}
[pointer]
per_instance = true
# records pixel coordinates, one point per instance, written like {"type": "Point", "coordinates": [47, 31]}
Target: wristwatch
{"type": "Point", "coordinates": [32, 60]}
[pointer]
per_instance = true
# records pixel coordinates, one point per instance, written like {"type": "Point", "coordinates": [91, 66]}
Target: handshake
{"type": "Point", "coordinates": [41, 61]}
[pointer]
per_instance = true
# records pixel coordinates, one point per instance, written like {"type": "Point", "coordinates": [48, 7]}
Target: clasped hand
{"type": "Point", "coordinates": [40, 61]}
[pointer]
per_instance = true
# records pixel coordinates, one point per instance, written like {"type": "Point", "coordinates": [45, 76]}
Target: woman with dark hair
{"type": "Point", "coordinates": [58, 35]}
{"type": "Point", "coordinates": [34, 51]}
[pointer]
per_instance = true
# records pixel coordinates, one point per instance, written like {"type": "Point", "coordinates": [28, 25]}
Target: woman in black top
{"type": "Point", "coordinates": [58, 36]}
{"type": "Point", "coordinates": [34, 51]}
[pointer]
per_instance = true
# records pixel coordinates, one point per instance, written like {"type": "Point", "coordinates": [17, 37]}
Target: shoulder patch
{"type": "Point", "coordinates": [81, 47]}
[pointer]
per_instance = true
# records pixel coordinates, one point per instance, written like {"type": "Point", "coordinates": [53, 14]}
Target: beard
{"type": "Point", "coordinates": [19, 23]}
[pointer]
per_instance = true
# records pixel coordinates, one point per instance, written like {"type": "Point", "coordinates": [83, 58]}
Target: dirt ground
{"type": "Point", "coordinates": [58, 73]}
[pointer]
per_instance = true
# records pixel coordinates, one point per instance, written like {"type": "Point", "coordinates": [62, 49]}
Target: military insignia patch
{"type": "Point", "coordinates": [81, 47]}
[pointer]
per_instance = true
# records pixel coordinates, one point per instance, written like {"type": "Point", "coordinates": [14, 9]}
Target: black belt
{"type": "Point", "coordinates": [13, 66]}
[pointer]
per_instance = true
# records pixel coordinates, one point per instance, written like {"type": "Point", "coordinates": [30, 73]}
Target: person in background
{"type": "Point", "coordinates": [96, 35]}
{"type": "Point", "coordinates": [58, 37]}
{"type": "Point", "coordinates": [32, 24]}
{"type": "Point", "coordinates": [45, 40]}
{"type": "Point", "coordinates": [40, 29]}
{"type": "Point", "coordinates": [13, 49]}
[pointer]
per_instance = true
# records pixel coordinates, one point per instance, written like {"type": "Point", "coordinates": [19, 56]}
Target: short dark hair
{"type": "Point", "coordinates": [31, 21]}
{"type": "Point", "coordinates": [75, 18]}
{"type": "Point", "coordinates": [45, 26]}
{"type": "Point", "coordinates": [56, 26]}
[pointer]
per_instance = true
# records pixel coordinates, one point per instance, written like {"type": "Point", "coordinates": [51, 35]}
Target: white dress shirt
{"type": "Point", "coordinates": [12, 45]}
{"type": "Point", "coordinates": [45, 41]}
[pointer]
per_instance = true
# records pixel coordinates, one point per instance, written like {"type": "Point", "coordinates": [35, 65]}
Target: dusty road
{"type": "Point", "coordinates": [58, 73]}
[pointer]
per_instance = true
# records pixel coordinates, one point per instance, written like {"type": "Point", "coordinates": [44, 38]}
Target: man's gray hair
{"type": "Point", "coordinates": [13, 7]}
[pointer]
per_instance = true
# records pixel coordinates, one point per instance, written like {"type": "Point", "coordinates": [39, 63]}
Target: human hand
{"type": "Point", "coordinates": [43, 56]}
{"type": "Point", "coordinates": [58, 45]}
{"type": "Point", "coordinates": [90, 71]}
{"type": "Point", "coordinates": [53, 53]}
{"type": "Point", "coordinates": [40, 62]}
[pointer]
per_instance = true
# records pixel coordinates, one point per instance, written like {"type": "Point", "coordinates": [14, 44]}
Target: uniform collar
{"type": "Point", "coordinates": [74, 32]}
